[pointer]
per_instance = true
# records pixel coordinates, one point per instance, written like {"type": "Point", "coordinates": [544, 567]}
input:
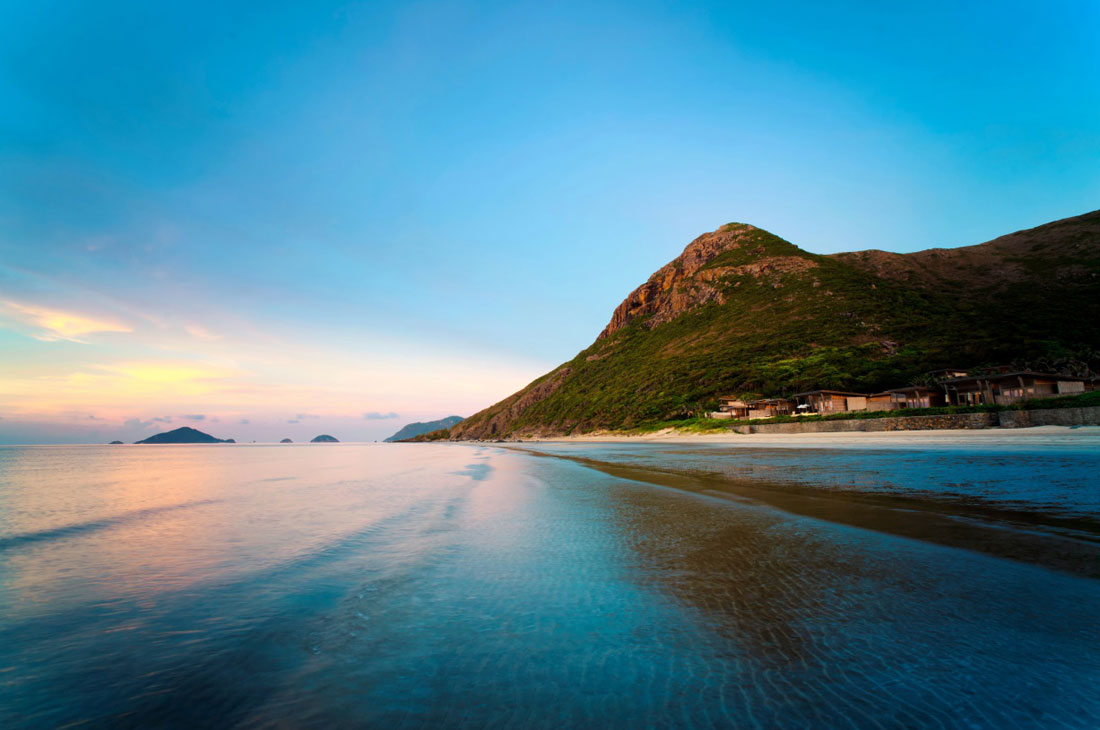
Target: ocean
{"type": "Point", "coordinates": [548, 586]}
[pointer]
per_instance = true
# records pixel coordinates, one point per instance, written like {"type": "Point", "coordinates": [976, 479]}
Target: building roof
{"type": "Point", "coordinates": [914, 389]}
{"type": "Point", "coordinates": [1017, 374]}
{"type": "Point", "coordinates": [829, 392]}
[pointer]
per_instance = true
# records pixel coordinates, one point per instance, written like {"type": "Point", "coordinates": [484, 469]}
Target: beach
{"type": "Point", "coordinates": [1006, 437]}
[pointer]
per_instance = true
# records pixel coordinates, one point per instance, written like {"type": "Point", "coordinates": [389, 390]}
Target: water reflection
{"type": "Point", "coordinates": [836, 627]}
{"type": "Point", "coordinates": [452, 586]}
{"type": "Point", "coordinates": [1065, 538]}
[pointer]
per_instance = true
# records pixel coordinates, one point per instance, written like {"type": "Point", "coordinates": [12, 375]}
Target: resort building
{"type": "Point", "coordinates": [953, 387]}
{"type": "Point", "coordinates": [770, 407]}
{"type": "Point", "coordinates": [1008, 388]}
{"type": "Point", "coordinates": [830, 401]}
{"type": "Point", "coordinates": [885, 401]}
{"type": "Point", "coordinates": [917, 396]}
{"type": "Point", "coordinates": [731, 407]}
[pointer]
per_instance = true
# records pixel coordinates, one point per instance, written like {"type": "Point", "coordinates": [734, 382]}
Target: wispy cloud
{"type": "Point", "coordinates": [200, 332]}
{"type": "Point", "coordinates": [245, 421]}
{"type": "Point", "coordinates": [376, 416]}
{"type": "Point", "coordinates": [53, 325]}
{"type": "Point", "coordinates": [194, 417]}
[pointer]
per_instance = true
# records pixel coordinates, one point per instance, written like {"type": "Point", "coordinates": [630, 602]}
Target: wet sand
{"type": "Point", "coordinates": [468, 586]}
{"type": "Point", "coordinates": [1023, 496]}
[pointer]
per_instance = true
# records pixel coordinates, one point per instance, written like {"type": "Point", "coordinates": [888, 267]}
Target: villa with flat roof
{"type": "Point", "coordinates": [733, 407]}
{"type": "Point", "coordinates": [770, 407]}
{"type": "Point", "coordinates": [829, 401]}
{"type": "Point", "coordinates": [1008, 388]}
{"type": "Point", "coordinates": [915, 396]}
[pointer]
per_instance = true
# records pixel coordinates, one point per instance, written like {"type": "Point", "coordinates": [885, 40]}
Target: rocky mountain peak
{"type": "Point", "coordinates": [694, 277]}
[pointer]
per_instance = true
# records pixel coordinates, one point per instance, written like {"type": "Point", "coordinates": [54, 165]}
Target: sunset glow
{"type": "Point", "coordinates": [252, 213]}
{"type": "Point", "coordinates": [50, 325]}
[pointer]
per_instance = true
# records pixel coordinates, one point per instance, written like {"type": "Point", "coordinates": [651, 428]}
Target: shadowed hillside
{"type": "Point", "coordinates": [741, 311]}
{"type": "Point", "coordinates": [412, 430]}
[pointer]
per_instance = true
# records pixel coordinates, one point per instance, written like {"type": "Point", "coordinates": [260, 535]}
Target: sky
{"type": "Point", "coordinates": [271, 220]}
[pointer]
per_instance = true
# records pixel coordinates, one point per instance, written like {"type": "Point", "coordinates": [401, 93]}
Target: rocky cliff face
{"type": "Point", "coordinates": [744, 312]}
{"type": "Point", "coordinates": [690, 280]}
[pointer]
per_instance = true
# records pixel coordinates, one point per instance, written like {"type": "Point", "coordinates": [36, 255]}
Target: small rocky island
{"type": "Point", "coordinates": [324, 439]}
{"type": "Point", "coordinates": [184, 435]}
{"type": "Point", "coordinates": [286, 441]}
{"type": "Point", "coordinates": [114, 442]}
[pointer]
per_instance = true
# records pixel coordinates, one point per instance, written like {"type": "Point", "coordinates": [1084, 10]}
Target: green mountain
{"type": "Point", "coordinates": [324, 439]}
{"type": "Point", "coordinates": [184, 435]}
{"type": "Point", "coordinates": [419, 428]}
{"type": "Point", "coordinates": [741, 311]}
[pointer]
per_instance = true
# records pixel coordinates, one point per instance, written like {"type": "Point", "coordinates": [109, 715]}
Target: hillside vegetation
{"type": "Point", "coordinates": [744, 312]}
{"type": "Point", "coordinates": [419, 428]}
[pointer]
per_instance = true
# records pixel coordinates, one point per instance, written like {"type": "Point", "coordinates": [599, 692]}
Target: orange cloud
{"type": "Point", "coordinates": [127, 384]}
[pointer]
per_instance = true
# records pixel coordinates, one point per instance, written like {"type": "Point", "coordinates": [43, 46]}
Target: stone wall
{"type": "Point", "coordinates": [1050, 417]}
{"type": "Point", "coordinates": [1002, 419]}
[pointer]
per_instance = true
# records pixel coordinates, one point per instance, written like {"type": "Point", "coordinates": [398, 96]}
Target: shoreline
{"type": "Point", "coordinates": [1020, 532]}
{"type": "Point", "coordinates": [1037, 435]}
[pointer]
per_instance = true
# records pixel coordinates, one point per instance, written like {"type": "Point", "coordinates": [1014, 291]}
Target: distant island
{"type": "Point", "coordinates": [416, 429]}
{"type": "Point", "coordinates": [286, 441]}
{"type": "Point", "coordinates": [184, 435]}
{"type": "Point", "coordinates": [324, 439]}
{"type": "Point", "coordinates": [114, 442]}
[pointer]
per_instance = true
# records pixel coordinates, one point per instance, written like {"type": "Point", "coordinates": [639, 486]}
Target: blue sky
{"type": "Point", "coordinates": [253, 212]}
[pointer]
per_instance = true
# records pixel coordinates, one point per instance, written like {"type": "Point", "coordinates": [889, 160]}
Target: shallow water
{"type": "Point", "coordinates": [463, 586]}
{"type": "Point", "coordinates": [1055, 475]}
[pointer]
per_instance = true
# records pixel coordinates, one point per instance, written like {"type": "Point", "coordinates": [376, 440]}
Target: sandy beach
{"type": "Point", "coordinates": [1076, 436]}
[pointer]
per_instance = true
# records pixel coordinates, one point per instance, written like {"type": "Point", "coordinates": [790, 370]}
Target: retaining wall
{"type": "Point", "coordinates": [1051, 417]}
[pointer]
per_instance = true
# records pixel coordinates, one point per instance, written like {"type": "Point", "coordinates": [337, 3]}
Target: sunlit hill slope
{"type": "Point", "coordinates": [742, 311]}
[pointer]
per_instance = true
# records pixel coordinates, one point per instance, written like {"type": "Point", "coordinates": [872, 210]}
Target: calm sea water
{"type": "Point", "coordinates": [443, 586]}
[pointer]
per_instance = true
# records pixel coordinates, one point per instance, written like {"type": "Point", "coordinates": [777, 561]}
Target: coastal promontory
{"type": "Point", "coordinates": [742, 311]}
{"type": "Point", "coordinates": [419, 428]}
